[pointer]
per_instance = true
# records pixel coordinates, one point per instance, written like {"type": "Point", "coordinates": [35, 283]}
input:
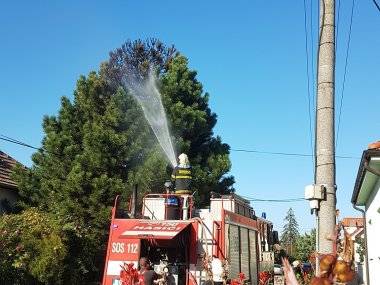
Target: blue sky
{"type": "Point", "coordinates": [250, 57]}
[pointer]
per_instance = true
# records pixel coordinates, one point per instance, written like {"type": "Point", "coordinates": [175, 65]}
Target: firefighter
{"type": "Point", "coordinates": [181, 176]}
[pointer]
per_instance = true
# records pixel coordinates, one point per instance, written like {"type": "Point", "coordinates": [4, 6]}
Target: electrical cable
{"type": "Point", "coordinates": [11, 140]}
{"type": "Point", "coordinates": [345, 72]}
{"type": "Point", "coordinates": [5, 138]}
{"type": "Point", "coordinates": [270, 152]}
{"type": "Point", "coordinates": [14, 141]}
{"type": "Point", "coordinates": [308, 85]}
{"type": "Point", "coordinates": [287, 153]}
{"type": "Point", "coordinates": [312, 57]}
{"type": "Point", "coordinates": [273, 200]}
{"type": "Point", "coordinates": [376, 4]}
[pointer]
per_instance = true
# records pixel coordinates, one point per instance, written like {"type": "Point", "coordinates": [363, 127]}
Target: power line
{"type": "Point", "coordinates": [308, 84]}
{"type": "Point", "coordinates": [18, 142]}
{"type": "Point", "coordinates": [376, 4]}
{"type": "Point", "coordinates": [345, 72]}
{"type": "Point", "coordinates": [274, 200]}
{"type": "Point", "coordinates": [8, 139]}
{"type": "Point", "coordinates": [312, 55]}
{"type": "Point", "coordinates": [287, 153]}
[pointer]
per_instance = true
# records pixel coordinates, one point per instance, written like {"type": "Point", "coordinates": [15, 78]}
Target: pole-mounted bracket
{"type": "Point", "coordinates": [315, 193]}
{"type": "Point", "coordinates": [329, 189]}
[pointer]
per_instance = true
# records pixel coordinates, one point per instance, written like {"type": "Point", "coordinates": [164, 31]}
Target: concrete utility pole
{"type": "Point", "coordinates": [325, 129]}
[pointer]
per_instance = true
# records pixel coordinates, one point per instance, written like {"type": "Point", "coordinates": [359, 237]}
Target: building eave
{"type": "Point", "coordinates": [367, 157]}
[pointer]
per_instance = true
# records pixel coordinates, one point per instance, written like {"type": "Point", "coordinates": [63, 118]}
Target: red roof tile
{"type": "Point", "coordinates": [375, 145]}
{"type": "Point", "coordinates": [6, 165]}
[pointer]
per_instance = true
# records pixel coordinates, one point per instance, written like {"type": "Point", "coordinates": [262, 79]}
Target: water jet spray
{"type": "Point", "coordinates": [145, 91]}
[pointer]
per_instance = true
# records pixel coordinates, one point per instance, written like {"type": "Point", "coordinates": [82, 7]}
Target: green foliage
{"type": "Point", "coordinates": [305, 246]}
{"type": "Point", "coordinates": [290, 232]}
{"type": "Point", "coordinates": [138, 56]}
{"type": "Point", "coordinates": [99, 145]}
{"type": "Point", "coordinates": [32, 248]}
{"type": "Point", "coordinates": [94, 148]}
{"type": "Point", "coordinates": [6, 206]}
{"type": "Point", "coordinates": [361, 249]}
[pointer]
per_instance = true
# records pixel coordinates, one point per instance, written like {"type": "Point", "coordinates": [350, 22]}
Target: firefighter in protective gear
{"type": "Point", "coordinates": [181, 176]}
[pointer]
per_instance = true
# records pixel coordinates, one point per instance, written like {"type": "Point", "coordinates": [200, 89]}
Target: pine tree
{"type": "Point", "coordinates": [189, 115]}
{"type": "Point", "coordinates": [290, 232]}
{"type": "Point", "coordinates": [93, 148]}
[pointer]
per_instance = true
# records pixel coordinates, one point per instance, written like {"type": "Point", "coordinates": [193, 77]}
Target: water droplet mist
{"type": "Point", "coordinates": [145, 91]}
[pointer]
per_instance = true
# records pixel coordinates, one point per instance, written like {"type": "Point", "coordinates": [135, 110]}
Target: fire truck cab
{"type": "Point", "coordinates": [173, 234]}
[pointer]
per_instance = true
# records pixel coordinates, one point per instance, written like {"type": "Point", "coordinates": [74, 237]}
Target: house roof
{"type": "Point", "coordinates": [353, 222]}
{"type": "Point", "coordinates": [366, 180]}
{"type": "Point", "coordinates": [6, 165]}
{"type": "Point", "coordinates": [264, 221]}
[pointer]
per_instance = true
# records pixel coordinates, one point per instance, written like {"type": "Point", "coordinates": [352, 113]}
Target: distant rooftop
{"type": "Point", "coordinates": [353, 222]}
{"type": "Point", "coordinates": [231, 196]}
{"type": "Point", "coordinates": [6, 165]}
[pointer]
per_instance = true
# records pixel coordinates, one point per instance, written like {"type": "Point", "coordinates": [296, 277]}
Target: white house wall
{"type": "Point", "coordinates": [373, 233]}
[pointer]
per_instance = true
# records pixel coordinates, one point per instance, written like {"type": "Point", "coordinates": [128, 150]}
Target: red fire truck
{"type": "Point", "coordinates": [185, 240]}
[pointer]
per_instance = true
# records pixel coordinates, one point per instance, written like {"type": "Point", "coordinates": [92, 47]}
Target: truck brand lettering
{"type": "Point", "coordinates": [156, 228]}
